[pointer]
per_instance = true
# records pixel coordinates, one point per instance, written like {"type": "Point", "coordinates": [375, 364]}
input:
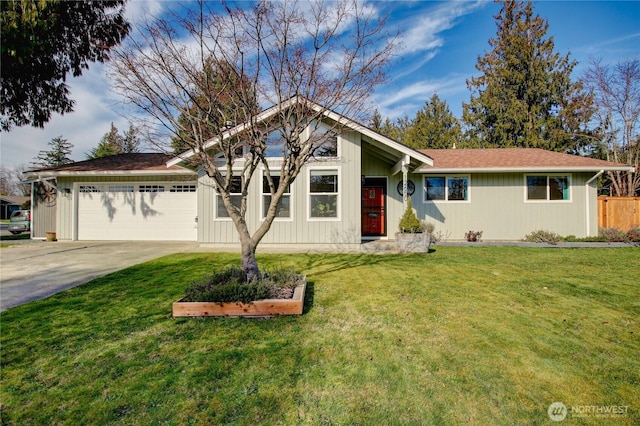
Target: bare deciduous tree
{"type": "Point", "coordinates": [286, 54]}
{"type": "Point", "coordinates": [11, 181]}
{"type": "Point", "coordinates": [617, 100]}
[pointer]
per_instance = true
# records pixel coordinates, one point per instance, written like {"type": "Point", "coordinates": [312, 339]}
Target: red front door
{"type": "Point", "coordinates": [373, 206]}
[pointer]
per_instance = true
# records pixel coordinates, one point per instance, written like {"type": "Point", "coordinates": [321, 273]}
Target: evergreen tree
{"type": "Point", "coordinates": [109, 144]}
{"type": "Point", "coordinates": [58, 155]}
{"type": "Point", "coordinates": [434, 127]}
{"type": "Point", "coordinates": [113, 143]}
{"type": "Point", "coordinates": [43, 43]}
{"type": "Point", "coordinates": [376, 121]}
{"type": "Point", "coordinates": [131, 140]}
{"type": "Point", "coordinates": [524, 96]}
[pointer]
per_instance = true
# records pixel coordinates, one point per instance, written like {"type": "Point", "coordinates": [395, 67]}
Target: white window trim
{"type": "Point", "coordinates": [548, 175]}
{"type": "Point", "coordinates": [446, 189]}
{"type": "Point", "coordinates": [291, 206]}
{"type": "Point", "coordinates": [339, 194]}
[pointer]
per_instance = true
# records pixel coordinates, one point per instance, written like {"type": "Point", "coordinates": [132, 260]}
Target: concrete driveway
{"type": "Point", "coordinates": [36, 270]}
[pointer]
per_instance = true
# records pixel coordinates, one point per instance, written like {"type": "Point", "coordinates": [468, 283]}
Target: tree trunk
{"type": "Point", "coordinates": [249, 263]}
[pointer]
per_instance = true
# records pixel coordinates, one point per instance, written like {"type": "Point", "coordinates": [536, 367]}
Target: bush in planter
{"type": "Point", "coordinates": [230, 285]}
{"type": "Point", "coordinates": [410, 224]}
{"type": "Point", "coordinates": [412, 237]}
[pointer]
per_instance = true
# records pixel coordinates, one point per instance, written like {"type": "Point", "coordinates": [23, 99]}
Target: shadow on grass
{"type": "Point", "coordinates": [308, 298]}
{"type": "Point", "coordinates": [326, 264]}
{"type": "Point", "coordinates": [18, 237]}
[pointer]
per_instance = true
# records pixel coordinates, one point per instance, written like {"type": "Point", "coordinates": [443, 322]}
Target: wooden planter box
{"type": "Point", "coordinates": [257, 308]}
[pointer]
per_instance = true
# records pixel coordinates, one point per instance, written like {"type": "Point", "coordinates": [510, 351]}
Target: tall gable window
{"type": "Point", "coordinates": [548, 188]}
{"type": "Point", "coordinates": [275, 144]}
{"type": "Point", "coordinates": [328, 148]}
{"type": "Point", "coordinates": [236, 197]}
{"type": "Point", "coordinates": [446, 188]}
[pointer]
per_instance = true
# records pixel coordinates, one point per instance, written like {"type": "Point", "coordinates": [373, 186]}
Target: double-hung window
{"type": "Point", "coordinates": [446, 188]}
{"type": "Point", "coordinates": [548, 188]}
{"type": "Point", "coordinates": [283, 210]}
{"type": "Point", "coordinates": [323, 194]}
{"type": "Point", "coordinates": [236, 197]}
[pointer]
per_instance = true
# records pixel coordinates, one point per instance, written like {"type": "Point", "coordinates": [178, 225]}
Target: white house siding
{"type": "Point", "coordinates": [66, 225]}
{"type": "Point", "coordinates": [298, 230]}
{"type": "Point", "coordinates": [498, 208]}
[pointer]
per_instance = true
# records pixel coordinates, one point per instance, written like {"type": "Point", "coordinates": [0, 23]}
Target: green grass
{"type": "Point", "coordinates": [480, 335]}
{"type": "Point", "coordinates": [5, 240]}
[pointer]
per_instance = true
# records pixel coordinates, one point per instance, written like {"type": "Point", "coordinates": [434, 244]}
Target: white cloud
{"type": "Point", "coordinates": [421, 32]}
{"type": "Point", "coordinates": [396, 102]}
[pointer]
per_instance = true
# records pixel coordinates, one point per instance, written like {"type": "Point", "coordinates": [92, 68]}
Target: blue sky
{"type": "Point", "coordinates": [441, 43]}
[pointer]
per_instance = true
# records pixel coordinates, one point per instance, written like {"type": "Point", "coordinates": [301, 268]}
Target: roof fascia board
{"type": "Point", "coordinates": [540, 169]}
{"type": "Point", "coordinates": [119, 173]}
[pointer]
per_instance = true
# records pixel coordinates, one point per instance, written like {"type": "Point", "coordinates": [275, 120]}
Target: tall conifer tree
{"type": "Point", "coordinates": [524, 96]}
{"type": "Point", "coordinates": [434, 127]}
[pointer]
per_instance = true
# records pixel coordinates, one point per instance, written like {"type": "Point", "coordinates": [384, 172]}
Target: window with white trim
{"type": "Point", "coordinates": [446, 188]}
{"type": "Point", "coordinates": [548, 187]}
{"type": "Point", "coordinates": [323, 193]}
{"type": "Point", "coordinates": [235, 191]}
{"type": "Point", "coordinates": [283, 210]}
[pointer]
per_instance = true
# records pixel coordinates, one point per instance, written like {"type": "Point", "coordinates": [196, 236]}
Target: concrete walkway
{"type": "Point", "coordinates": [40, 269]}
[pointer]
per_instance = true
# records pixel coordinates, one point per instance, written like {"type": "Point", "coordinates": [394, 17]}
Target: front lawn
{"type": "Point", "coordinates": [480, 335]}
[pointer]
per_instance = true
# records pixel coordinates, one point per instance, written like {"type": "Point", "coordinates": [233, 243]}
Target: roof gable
{"type": "Point", "coordinates": [513, 159]}
{"type": "Point", "coordinates": [402, 150]}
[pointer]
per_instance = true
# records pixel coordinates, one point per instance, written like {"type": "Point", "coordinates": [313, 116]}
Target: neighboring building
{"type": "Point", "coordinates": [506, 193]}
{"type": "Point", "coordinates": [9, 204]}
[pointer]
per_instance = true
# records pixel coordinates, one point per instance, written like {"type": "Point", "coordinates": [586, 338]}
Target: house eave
{"type": "Point", "coordinates": [538, 169]}
{"type": "Point", "coordinates": [107, 173]}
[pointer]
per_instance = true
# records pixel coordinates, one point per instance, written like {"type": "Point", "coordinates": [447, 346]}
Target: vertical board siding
{"type": "Point", "coordinates": [44, 216]}
{"type": "Point", "coordinates": [297, 230]}
{"type": "Point", "coordinates": [498, 208]}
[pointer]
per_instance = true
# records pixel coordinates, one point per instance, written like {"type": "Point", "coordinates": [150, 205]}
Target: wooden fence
{"type": "Point", "coordinates": [618, 212]}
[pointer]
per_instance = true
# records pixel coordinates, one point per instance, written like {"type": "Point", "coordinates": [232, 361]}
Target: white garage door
{"type": "Point", "coordinates": [163, 212]}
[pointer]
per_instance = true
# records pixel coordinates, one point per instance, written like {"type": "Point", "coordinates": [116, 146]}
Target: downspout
{"type": "Point", "coordinates": [586, 199]}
